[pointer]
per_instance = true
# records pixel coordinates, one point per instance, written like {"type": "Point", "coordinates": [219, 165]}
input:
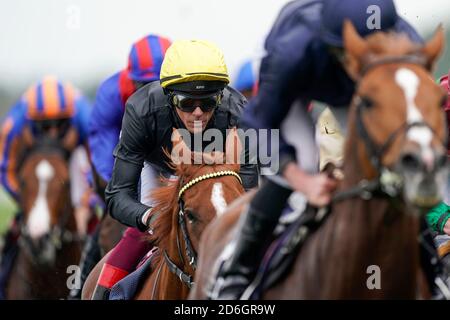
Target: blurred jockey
{"type": "Point", "coordinates": [49, 108]}
{"type": "Point", "coordinates": [144, 64]}
{"type": "Point", "coordinates": [438, 218]}
{"type": "Point", "coordinates": [193, 90]}
{"type": "Point", "coordinates": [246, 81]}
{"type": "Point", "coordinates": [445, 84]}
{"type": "Point", "coordinates": [303, 62]}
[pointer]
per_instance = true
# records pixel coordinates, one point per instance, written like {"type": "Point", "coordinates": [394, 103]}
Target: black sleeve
{"type": "Point", "coordinates": [121, 192]}
{"type": "Point", "coordinates": [249, 176]}
{"type": "Point", "coordinates": [249, 169]}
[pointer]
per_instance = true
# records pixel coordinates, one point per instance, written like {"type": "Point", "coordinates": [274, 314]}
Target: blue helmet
{"type": "Point", "coordinates": [246, 78]}
{"type": "Point", "coordinates": [366, 16]}
{"type": "Point", "coordinates": [146, 56]}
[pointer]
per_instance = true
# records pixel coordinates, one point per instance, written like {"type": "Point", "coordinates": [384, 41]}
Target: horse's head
{"type": "Point", "coordinates": [45, 200]}
{"type": "Point", "coordinates": [218, 182]}
{"type": "Point", "coordinates": [206, 183]}
{"type": "Point", "coordinates": [397, 113]}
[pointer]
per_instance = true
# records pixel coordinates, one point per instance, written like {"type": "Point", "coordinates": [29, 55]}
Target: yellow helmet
{"type": "Point", "coordinates": [194, 65]}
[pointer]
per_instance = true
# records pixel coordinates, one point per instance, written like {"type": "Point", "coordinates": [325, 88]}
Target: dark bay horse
{"type": "Point", "coordinates": [184, 208]}
{"type": "Point", "coordinates": [49, 243]}
{"type": "Point", "coordinates": [394, 169]}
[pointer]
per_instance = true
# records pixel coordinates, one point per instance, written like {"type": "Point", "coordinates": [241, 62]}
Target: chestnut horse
{"type": "Point", "coordinates": [184, 208]}
{"type": "Point", "coordinates": [394, 169]}
{"type": "Point", "coordinates": [49, 241]}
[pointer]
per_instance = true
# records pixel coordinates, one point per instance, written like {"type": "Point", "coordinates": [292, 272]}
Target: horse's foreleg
{"type": "Point", "coordinates": [423, 291]}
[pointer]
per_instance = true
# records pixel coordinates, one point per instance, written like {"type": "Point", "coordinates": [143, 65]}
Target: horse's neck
{"type": "Point", "coordinates": [372, 232]}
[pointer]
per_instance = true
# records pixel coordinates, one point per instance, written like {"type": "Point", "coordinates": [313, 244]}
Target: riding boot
{"type": "Point", "coordinates": [108, 277]}
{"type": "Point", "coordinates": [101, 293]}
{"type": "Point", "coordinates": [432, 264]}
{"type": "Point", "coordinates": [89, 258]}
{"type": "Point", "coordinates": [253, 236]}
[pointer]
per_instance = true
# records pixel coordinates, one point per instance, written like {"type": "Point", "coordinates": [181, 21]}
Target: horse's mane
{"type": "Point", "coordinates": [164, 198]}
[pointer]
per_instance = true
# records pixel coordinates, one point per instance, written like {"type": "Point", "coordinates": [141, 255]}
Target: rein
{"type": "Point", "coordinates": [190, 252]}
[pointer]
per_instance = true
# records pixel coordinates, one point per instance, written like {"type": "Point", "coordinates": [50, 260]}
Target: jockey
{"type": "Point", "coordinates": [144, 65]}
{"type": "Point", "coordinates": [303, 58]}
{"type": "Point", "coordinates": [246, 81]}
{"type": "Point", "coordinates": [192, 90]}
{"type": "Point", "coordinates": [49, 108]}
{"type": "Point", "coordinates": [445, 84]}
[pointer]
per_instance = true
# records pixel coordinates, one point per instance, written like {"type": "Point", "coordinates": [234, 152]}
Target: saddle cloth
{"type": "Point", "coordinates": [289, 235]}
{"type": "Point", "coordinates": [126, 288]}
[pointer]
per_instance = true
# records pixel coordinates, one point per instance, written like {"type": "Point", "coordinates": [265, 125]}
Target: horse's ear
{"type": "Point", "coordinates": [180, 154]}
{"type": "Point", "coordinates": [70, 140]}
{"type": "Point", "coordinates": [356, 48]}
{"type": "Point", "coordinates": [233, 147]}
{"type": "Point", "coordinates": [433, 48]}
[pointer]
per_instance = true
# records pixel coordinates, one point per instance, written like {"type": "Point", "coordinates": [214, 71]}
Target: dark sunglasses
{"type": "Point", "coordinates": [42, 126]}
{"type": "Point", "coordinates": [188, 103]}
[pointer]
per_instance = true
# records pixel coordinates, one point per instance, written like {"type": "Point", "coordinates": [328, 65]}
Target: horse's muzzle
{"type": "Point", "coordinates": [425, 177]}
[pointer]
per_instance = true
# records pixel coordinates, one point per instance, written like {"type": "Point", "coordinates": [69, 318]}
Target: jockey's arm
{"type": "Point", "coordinates": [10, 146]}
{"type": "Point", "coordinates": [121, 192]}
{"type": "Point", "coordinates": [249, 175]}
{"type": "Point", "coordinates": [282, 70]}
{"type": "Point", "coordinates": [103, 132]}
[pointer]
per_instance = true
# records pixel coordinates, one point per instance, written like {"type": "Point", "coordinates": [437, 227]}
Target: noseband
{"type": "Point", "coordinates": [190, 252]}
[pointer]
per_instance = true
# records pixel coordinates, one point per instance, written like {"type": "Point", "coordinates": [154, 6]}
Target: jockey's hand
{"type": "Point", "coordinates": [317, 188]}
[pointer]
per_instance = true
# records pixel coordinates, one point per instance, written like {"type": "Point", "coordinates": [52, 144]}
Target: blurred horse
{"type": "Point", "coordinates": [184, 208]}
{"type": "Point", "coordinates": [394, 171]}
{"type": "Point", "coordinates": [49, 242]}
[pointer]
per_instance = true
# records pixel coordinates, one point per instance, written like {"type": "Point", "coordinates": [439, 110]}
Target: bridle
{"type": "Point", "coordinates": [59, 234]}
{"type": "Point", "coordinates": [190, 252]}
{"type": "Point", "coordinates": [386, 184]}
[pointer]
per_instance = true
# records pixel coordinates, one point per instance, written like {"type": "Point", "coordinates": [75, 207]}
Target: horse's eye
{"type": "Point", "coordinates": [190, 215]}
{"type": "Point", "coordinates": [366, 102]}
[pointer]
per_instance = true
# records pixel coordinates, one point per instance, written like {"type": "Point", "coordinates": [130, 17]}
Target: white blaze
{"type": "Point", "coordinates": [422, 135]}
{"type": "Point", "coordinates": [39, 221]}
{"type": "Point", "coordinates": [217, 198]}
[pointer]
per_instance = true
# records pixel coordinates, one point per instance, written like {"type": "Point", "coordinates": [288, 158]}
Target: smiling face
{"type": "Point", "coordinates": [197, 120]}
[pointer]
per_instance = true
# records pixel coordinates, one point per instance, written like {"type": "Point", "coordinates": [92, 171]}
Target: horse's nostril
{"type": "Point", "coordinates": [410, 161]}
